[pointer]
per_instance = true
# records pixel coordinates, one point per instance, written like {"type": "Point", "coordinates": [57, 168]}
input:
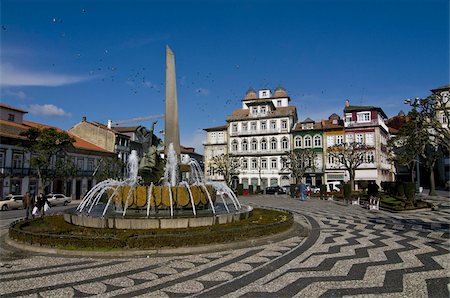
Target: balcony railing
{"type": "Point", "coordinates": [259, 132]}
{"type": "Point", "coordinates": [259, 152]}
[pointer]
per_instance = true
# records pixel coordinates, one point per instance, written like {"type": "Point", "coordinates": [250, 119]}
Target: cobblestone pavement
{"type": "Point", "coordinates": [350, 251]}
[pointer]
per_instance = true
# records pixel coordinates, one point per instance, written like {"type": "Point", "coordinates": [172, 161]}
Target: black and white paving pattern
{"type": "Point", "coordinates": [350, 251]}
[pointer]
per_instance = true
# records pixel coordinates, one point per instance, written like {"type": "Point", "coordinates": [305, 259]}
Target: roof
{"type": "Point", "coordinates": [13, 130]}
{"type": "Point", "coordinates": [216, 128]}
{"type": "Point", "coordinates": [266, 98]}
{"type": "Point", "coordinates": [12, 108]}
{"type": "Point", "coordinates": [442, 88]}
{"type": "Point", "coordinates": [334, 115]}
{"type": "Point", "coordinates": [396, 122]}
{"type": "Point", "coordinates": [329, 125]}
{"type": "Point", "coordinates": [243, 114]}
{"type": "Point", "coordinates": [364, 108]}
{"type": "Point", "coordinates": [125, 128]}
{"type": "Point", "coordinates": [298, 126]}
{"type": "Point", "coordinates": [307, 120]}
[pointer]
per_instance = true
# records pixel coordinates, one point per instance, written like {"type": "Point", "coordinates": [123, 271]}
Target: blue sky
{"type": "Point", "coordinates": [62, 60]}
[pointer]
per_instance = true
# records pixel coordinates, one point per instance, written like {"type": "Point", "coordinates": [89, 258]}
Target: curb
{"type": "Point", "coordinates": [295, 230]}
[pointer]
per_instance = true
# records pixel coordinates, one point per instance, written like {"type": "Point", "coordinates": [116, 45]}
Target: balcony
{"type": "Point", "coordinates": [374, 122]}
{"type": "Point", "coordinates": [259, 152]}
{"type": "Point", "coordinates": [259, 132]}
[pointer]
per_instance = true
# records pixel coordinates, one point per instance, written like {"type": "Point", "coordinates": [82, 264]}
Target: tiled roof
{"type": "Point", "coordinates": [216, 128]}
{"type": "Point", "coordinates": [329, 125]}
{"type": "Point", "coordinates": [243, 114]}
{"type": "Point", "coordinates": [12, 108]}
{"type": "Point", "coordinates": [442, 88]}
{"type": "Point", "coordinates": [13, 130]}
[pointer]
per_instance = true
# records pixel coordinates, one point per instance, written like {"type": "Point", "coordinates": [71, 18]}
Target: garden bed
{"type": "Point", "coordinates": [53, 231]}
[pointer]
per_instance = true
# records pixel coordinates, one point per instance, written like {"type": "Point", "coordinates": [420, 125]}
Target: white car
{"type": "Point", "coordinates": [58, 199]}
{"type": "Point", "coordinates": [11, 202]}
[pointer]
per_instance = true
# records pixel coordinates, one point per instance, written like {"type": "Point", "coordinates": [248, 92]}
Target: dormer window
{"type": "Point", "coordinates": [254, 110]}
{"type": "Point", "coordinates": [264, 93]}
{"type": "Point", "coordinates": [279, 103]}
{"type": "Point", "coordinates": [263, 110]}
{"type": "Point", "coordinates": [363, 117]}
{"type": "Point", "coordinates": [244, 126]}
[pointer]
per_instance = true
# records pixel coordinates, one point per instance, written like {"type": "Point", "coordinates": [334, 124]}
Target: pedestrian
{"type": "Point", "coordinates": [41, 201]}
{"type": "Point", "coordinates": [302, 189]}
{"type": "Point", "coordinates": [372, 189]}
{"type": "Point", "coordinates": [28, 205]}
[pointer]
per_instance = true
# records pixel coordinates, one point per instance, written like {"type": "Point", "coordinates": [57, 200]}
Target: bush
{"type": "Point", "coordinates": [400, 189]}
{"type": "Point", "coordinates": [410, 191]}
{"type": "Point", "coordinates": [364, 184]}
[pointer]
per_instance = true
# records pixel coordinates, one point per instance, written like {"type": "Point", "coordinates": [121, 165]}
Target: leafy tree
{"type": "Point", "coordinates": [109, 167]}
{"type": "Point", "coordinates": [350, 155]}
{"type": "Point", "coordinates": [298, 162]}
{"type": "Point", "coordinates": [227, 166]}
{"type": "Point", "coordinates": [44, 144]}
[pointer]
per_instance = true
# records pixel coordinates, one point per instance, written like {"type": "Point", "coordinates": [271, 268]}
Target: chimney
{"type": "Point", "coordinates": [323, 122]}
{"type": "Point", "coordinates": [83, 119]}
{"type": "Point", "coordinates": [109, 124]}
{"type": "Point", "coordinates": [347, 103]}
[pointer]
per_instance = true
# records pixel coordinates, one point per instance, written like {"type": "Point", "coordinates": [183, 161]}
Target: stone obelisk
{"type": "Point", "coordinates": [171, 129]}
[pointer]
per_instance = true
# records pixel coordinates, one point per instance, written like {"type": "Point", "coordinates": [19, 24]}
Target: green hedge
{"type": "Point", "coordinates": [53, 231]}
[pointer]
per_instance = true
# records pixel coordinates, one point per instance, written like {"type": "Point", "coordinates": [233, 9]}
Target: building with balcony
{"type": "Point", "coordinates": [260, 134]}
{"type": "Point", "coordinates": [366, 125]}
{"type": "Point", "coordinates": [17, 176]}
{"type": "Point", "coordinates": [216, 144]}
{"type": "Point", "coordinates": [333, 133]}
{"type": "Point", "coordinates": [308, 135]}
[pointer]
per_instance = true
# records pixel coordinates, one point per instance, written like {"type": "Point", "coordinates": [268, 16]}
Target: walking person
{"type": "Point", "coordinates": [40, 203]}
{"type": "Point", "coordinates": [28, 205]}
{"type": "Point", "coordinates": [302, 189]}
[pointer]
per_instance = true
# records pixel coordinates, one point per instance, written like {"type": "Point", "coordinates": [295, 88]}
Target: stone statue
{"type": "Point", "coordinates": [151, 166]}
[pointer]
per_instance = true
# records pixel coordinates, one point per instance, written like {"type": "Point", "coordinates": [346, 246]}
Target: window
{"type": "Point", "coordinates": [284, 144]}
{"type": "Point", "coordinates": [369, 139]}
{"type": "Point", "coordinates": [444, 119]}
{"type": "Point", "coordinates": [254, 144]}
{"type": "Point", "coordinates": [244, 145]}
{"type": "Point", "coordinates": [254, 110]}
{"type": "Point", "coordinates": [279, 103]}
{"type": "Point", "coordinates": [273, 124]}
{"type": "Point", "coordinates": [298, 142]}
{"type": "Point", "coordinates": [263, 125]}
{"type": "Point", "coordinates": [2, 159]}
{"type": "Point", "coordinates": [273, 163]}
{"type": "Point", "coordinates": [348, 117]}
{"type": "Point", "coordinates": [339, 139]}
{"type": "Point", "coordinates": [253, 126]}
{"type": "Point", "coordinates": [273, 144]}
{"type": "Point", "coordinates": [90, 165]}
{"type": "Point", "coordinates": [244, 126]}
{"type": "Point", "coordinates": [308, 142]}
{"type": "Point", "coordinates": [359, 138]}
{"type": "Point", "coordinates": [220, 137]}
{"type": "Point", "coordinates": [283, 124]}
{"type": "Point", "coordinates": [245, 163]}
{"type": "Point", "coordinates": [263, 110]}
{"type": "Point", "coordinates": [17, 162]}
{"type": "Point", "coordinates": [330, 141]}
{"type": "Point", "coordinates": [370, 157]}
{"type": "Point", "coordinates": [363, 117]}
{"type": "Point", "coordinates": [234, 146]}
{"type": "Point", "coordinates": [11, 117]}
{"type": "Point", "coordinates": [80, 163]}
{"type": "Point", "coordinates": [330, 159]}
{"type": "Point", "coordinates": [263, 163]}
{"type": "Point", "coordinates": [264, 93]}
{"type": "Point", "coordinates": [350, 138]}
{"type": "Point", "coordinates": [254, 163]}
{"type": "Point", "coordinates": [234, 127]}
{"type": "Point", "coordinates": [317, 141]}
{"type": "Point", "coordinates": [213, 137]}
{"type": "Point", "coordinates": [263, 144]}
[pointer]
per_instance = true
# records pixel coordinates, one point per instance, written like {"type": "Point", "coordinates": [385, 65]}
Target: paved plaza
{"type": "Point", "coordinates": [349, 251]}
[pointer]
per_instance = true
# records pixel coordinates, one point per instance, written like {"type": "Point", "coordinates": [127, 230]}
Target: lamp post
{"type": "Point", "coordinates": [414, 103]}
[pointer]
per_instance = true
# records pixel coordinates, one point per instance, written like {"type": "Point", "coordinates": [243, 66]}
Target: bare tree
{"type": "Point", "coordinates": [298, 162]}
{"type": "Point", "coordinates": [350, 155]}
{"type": "Point", "coordinates": [227, 166]}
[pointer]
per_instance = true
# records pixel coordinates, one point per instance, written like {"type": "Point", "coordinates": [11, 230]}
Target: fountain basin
{"type": "Point", "coordinates": [161, 220]}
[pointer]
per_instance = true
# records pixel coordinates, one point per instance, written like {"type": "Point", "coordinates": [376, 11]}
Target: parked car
{"type": "Point", "coordinates": [274, 190]}
{"type": "Point", "coordinates": [11, 202]}
{"type": "Point", "coordinates": [315, 189]}
{"type": "Point", "coordinates": [58, 199]}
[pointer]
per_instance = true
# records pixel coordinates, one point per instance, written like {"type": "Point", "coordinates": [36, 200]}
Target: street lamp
{"type": "Point", "coordinates": [414, 103]}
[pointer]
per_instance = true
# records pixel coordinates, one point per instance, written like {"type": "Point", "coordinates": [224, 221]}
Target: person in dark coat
{"type": "Point", "coordinates": [372, 189]}
{"type": "Point", "coordinates": [41, 200]}
{"type": "Point", "coordinates": [302, 189]}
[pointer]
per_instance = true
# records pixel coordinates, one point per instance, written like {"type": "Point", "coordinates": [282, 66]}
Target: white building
{"type": "Point", "coordinates": [216, 144]}
{"type": "Point", "coordinates": [260, 134]}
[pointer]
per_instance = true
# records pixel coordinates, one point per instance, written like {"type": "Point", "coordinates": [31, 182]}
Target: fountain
{"type": "Point", "coordinates": [180, 199]}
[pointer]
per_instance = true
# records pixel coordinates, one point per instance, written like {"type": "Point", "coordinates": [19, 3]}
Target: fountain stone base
{"type": "Point", "coordinates": [156, 221]}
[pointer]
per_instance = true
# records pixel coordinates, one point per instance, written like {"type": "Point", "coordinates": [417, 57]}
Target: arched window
{"type": "Point", "coordinates": [308, 142]}
{"type": "Point", "coordinates": [284, 144]}
{"type": "Point", "coordinates": [234, 146]}
{"type": "Point", "coordinates": [254, 144]}
{"type": "Point", "coordinates": [263, 144]}
{"type": "Point", "coordinates": [273, 144]}
{"type": "Point", "coordinates": [317, 141]}
{"type": "Point", "coordinates": [244, 163]}
{"type": "Point", "coordinates": [298, 142]}
{"type": "Point", "coordinates": [244, 145]}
